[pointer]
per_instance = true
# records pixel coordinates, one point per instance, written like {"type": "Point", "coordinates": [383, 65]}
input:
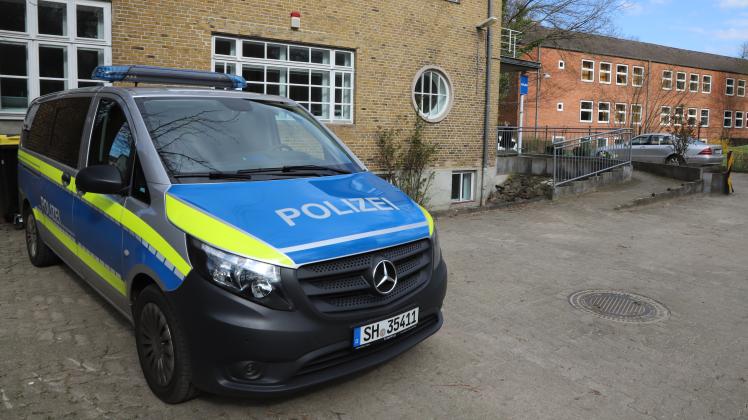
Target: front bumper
{"type": "Point", "coordinates": [293, 350]}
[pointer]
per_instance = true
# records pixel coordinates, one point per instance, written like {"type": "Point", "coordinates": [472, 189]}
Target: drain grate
{"type": "Point", "coordinates": [617, 305]}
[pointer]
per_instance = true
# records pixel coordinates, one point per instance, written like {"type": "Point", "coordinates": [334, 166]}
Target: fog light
{"type": "Point", "coordinates": [252, 371]}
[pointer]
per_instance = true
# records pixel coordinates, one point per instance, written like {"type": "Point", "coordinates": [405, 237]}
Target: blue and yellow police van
{"type": "Point", "coordinates": [253, 252]}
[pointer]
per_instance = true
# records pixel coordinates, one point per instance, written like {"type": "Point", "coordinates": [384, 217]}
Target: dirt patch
{"type": "Point", "coordinates": [521, 188]}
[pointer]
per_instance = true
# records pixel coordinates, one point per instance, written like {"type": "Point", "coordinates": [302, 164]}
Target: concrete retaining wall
{"type": "Point", "coordinates": [683, 173]}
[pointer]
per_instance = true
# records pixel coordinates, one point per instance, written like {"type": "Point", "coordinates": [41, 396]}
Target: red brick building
{"type": "Point", "coordinates": [601, 83]}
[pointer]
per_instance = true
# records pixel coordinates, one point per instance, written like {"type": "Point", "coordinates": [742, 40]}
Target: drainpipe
{"type": "Point", "coordinates": [487, 110]}
{"type": "Point", "coordinates": [537, 89]}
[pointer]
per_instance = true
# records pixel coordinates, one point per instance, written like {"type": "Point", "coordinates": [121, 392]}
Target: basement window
{"type": "Point", "coordinates": [463, 186]}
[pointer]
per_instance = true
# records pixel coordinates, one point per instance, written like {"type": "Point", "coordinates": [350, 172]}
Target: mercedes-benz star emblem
{"type": "Point", "coordinates": [384, 277]}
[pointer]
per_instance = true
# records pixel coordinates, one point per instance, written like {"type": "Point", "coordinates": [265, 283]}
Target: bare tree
{"type": "Point", "coordinates": [743, 50]}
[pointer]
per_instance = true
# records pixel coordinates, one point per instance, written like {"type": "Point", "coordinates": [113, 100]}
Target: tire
{"type": "Point", "coordinates": [166, 361]}
{"type": "Point", "coordinates": [39, 253]}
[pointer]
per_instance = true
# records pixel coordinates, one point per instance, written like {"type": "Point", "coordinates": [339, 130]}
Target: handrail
{"type": "Point", "coordinates": [509, 39]}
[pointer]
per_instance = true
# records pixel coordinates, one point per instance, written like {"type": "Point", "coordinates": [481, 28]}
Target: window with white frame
{"type": "Point", "coordinates": [561, 64]}
{"type": "Point", "coordinates": [636, 114]}
{"type": "Point", "coordinates": [603, 112]}
{"type": "Point", "coordinates": [706, 84]}
{"type": "Point", "coordinates": [620, 115]}
{"type": "Point", "coordinates": [560, 106]}
{"type": "Point", "coordinates": [667, 79]}
{"type": "Point", "coordinates": [738, 119]}
{"type": "Point", "coordinates": [680, 81]}
{"type": "Point", "coordinates": [622, 74]}
{"type": "Point", "coordinates": [730, 87]}
{"type": "Point", "coordinates": [463, 186]}
{"type": "Point", "coordinates": [637, 76]}
{"type": "Point", "coordinates": [665, 115]}
{"type": "Point", "coordinates": [691, 117]}
{"type": "Point", "coordinates": [320, 79]}
{"type": "Point", "coordinates": [601, 142]}
{"type": "Point", "coordinates": [588, 71]}
{"type": "Point", "coordinates": [556, 139]}
{"type": "Point", "coordinates": [605, 73]}
{"type": "Point", "coordinates": [678, 116]}
{"type": "Point", "coordinates": [48, 46]}
{"type": "Point", "coordinates": [693, 82]}
{"type": "Point", "coordinates": [585, 111]}
{"type": "Point", "coordinates": [741, 87]}
{"type": "Point", "coordinates": [704, 120]}
{"type": "Point", "coordinates": [727, 119]}
{"type": "Point", "coordinates": [432, 94]}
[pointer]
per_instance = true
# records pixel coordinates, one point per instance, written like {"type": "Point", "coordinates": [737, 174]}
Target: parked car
{"type": "Point", "coordinates": [252, 251]}
{"type": "Point", "coordinates": [658, 148]}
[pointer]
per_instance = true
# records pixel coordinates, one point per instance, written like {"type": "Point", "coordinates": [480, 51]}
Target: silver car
{"type": "Point", "coordinates": [658, 148]}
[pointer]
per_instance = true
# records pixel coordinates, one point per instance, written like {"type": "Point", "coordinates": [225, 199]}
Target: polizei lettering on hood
{"type": "Point", "coordinates": [341, 207]}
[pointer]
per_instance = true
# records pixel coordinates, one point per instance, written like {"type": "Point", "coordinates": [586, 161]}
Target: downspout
{"type": "Point", "coordinates": [537, 89]}
{"type": "Point", "coordinates": [646, 98]}
{"type": "Point", "coordinates": [487, 110]}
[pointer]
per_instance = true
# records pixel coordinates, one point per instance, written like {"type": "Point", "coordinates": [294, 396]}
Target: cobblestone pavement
{"type": "Point", "coordinates": [511, 346]}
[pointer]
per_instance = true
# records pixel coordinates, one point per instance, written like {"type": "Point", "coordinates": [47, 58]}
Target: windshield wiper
{"type": "Point", "coordinates": [293, 168]}
{"type": "Point", "coordinates": [214, 175]}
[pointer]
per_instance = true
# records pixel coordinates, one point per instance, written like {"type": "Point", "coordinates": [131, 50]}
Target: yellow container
{"type": "Point", "coordinates": [9, 140]}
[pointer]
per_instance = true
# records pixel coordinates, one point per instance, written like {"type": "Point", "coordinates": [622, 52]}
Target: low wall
{"type": "Point", "coordinates": [683, 173]}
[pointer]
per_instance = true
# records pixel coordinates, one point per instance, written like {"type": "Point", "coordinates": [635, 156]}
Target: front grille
{"type": "Point", "coordinates": [338, 357]}
{"type": "Point", "coordinates": [340, 286]}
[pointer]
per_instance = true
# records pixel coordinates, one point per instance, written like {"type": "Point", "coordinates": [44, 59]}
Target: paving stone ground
{"type": "Point", "coordinates": [511, 346]}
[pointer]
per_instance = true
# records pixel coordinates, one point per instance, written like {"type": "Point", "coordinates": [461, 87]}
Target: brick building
{"type": "Point", "coordinates": [359, 66]}
{"type": "Point", "coordinates": [603, 83]}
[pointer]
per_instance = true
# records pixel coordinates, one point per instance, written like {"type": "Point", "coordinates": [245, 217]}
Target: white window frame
{"type": "Point", "coordinates": [591, 111]}
{"type": "Point", "coordinates": [679, 80]}
{"type": "Point", "coordinates": [557, 139]}
{"type": "Point", "coordinates": [669, 79]}
{"type": "Point", "coordinates": [702, 115]}
{"type": "Point", "coordinates": [618, 113]}
{"type": "Point", "coordinates": [561, 65]}
{"type": "Point", "coordinates": [639, 113]}
{"type": "Point", "coordinates": [691, 82]}
{"type": "Point", "coordinates": [665, 116]}
{"type": "Point", "coordinates": [237, 61]}
{"type": "Point", "coordinates": [738, 118]}
{"type": "Point", "coordinates": [730, 86]}
{"type": "Point", "coordinates": [71, 42]}
{"type": "Point", "coordinates": [609, 72]}
{"type": "Point", "coordinates": [634, 75]}
{"type": "Point", "coordinates": [462, 199]}
{"type": "Point", "coordinates": [706, 83]}
{"type": "Point", "coordinates": [678, 116]}
{"type": "Point", "coordinates": [624, 73]}
{"type": "Point", "coordinates": [560, 107]}
{"type": "Point", "coordinates": [607, 112]}
{"type": "Point", "coordinates": [448, 95]}
{"type": "Point", "coordinates": [740, 91]}
{"type": "Point", "coordinates": [695, 117]}
{"type": "Point", "coordinates": [727, 116]}
{"type": "Point", "coordinates": [591, 69]}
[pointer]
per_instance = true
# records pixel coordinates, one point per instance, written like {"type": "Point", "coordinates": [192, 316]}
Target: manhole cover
{"type": "Point", "coordinates": [617, 305]}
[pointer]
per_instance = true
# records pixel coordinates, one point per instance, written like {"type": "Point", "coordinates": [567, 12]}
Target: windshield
{"type": "Point", "coordinates": [226, 135]}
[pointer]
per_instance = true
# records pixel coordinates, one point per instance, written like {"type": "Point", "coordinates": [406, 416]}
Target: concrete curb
{"type": "Point", "coordinates": [687, 188]}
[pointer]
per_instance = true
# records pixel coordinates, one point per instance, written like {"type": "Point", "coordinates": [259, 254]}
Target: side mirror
{"type": "Point", "coordinates": [100, 179]}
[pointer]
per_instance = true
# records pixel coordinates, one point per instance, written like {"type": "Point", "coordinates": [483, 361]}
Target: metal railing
{"type": "Point", "coordinates": [590, 155]}
{"type": "Point", "coordinates": [536, 140]}
{"type": "Point", "coordinates": [509, 39]}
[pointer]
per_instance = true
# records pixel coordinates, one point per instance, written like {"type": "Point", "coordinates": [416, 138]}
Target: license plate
{"type": "Point", "coordinates": [385, 328]}
{"type": "Point", "coordinates": [718, 152]}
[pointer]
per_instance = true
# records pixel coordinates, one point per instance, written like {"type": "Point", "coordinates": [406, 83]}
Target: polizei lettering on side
{"type": "Point", "coordinates": [341, 207]}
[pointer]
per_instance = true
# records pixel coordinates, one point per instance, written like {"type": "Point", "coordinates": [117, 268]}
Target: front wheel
{"type": "Point", "coordinates": [162, 348]}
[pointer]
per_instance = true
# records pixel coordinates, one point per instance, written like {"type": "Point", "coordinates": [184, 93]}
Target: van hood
{"type": "Point", "coordinates": [298, 221]}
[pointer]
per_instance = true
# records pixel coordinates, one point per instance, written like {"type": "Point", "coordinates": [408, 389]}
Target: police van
{"type": "Point", "coordinates": [252, 251]}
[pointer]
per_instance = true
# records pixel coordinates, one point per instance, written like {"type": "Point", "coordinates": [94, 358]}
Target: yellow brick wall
{"type": "Point", "coordinates": [392, 40]}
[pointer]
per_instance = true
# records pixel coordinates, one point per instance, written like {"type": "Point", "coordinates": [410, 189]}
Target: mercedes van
{"type": "Point", "coordinates": [253, 253]}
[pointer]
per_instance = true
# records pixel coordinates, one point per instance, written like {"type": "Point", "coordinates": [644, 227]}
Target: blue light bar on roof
{"type": "Point", "coordinates": [164, 75]}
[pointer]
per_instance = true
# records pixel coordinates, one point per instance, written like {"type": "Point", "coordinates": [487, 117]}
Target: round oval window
{"type": "Point", "coordinates": [432, 94]}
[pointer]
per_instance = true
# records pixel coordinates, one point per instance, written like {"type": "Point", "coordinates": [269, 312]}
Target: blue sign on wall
{"type": "Point", "coordinates": [524, 84]}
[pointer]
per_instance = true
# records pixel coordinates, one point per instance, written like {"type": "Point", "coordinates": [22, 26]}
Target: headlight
{"type": "Point", "coordinates": [437, 249]}
{"type": "Point", "coordinates": [257, 281]}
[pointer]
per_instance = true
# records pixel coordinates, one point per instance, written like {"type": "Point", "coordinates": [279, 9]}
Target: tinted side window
{"type": "Point", "coordinates": [139, 187]}
{"type": "Point", "coordinates": [68, 130]}
{"type": "Point", "coordinates": [40, 131]}
{"type": "Point", "coordinates": [111, 139]}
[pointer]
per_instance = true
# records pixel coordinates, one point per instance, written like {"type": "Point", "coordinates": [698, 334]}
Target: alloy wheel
{"type": "Point", "coordinates": [157, 343]}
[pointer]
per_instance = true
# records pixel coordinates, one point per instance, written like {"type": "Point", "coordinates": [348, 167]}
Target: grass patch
{"type": "Point", "coordinates": [741, 158]}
